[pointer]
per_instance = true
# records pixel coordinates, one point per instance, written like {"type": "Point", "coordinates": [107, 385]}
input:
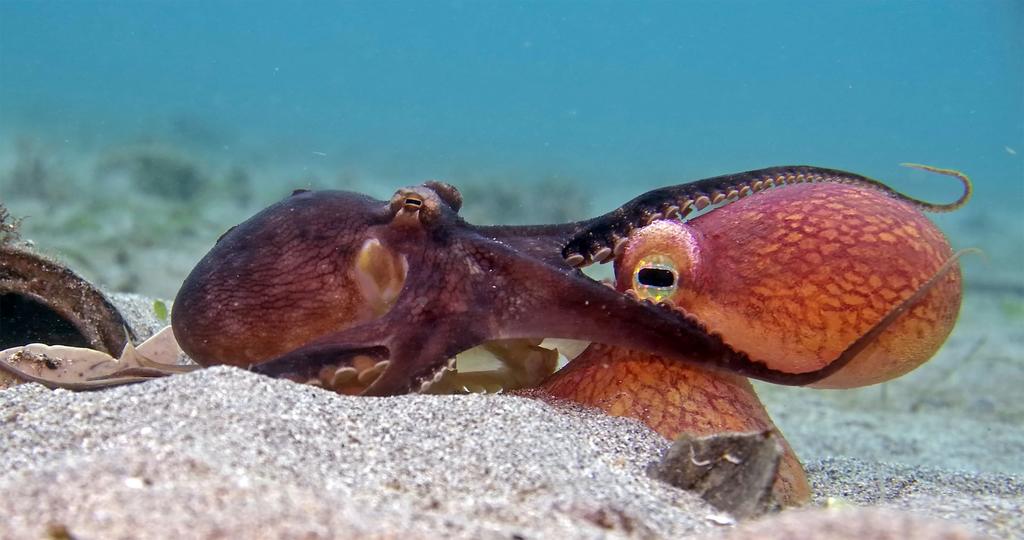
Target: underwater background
{"type": "Point", "coordinates": [133, 133]}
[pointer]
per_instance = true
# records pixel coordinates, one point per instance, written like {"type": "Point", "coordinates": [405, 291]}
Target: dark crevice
{"type": "Point", "coordinates": [24, 320]}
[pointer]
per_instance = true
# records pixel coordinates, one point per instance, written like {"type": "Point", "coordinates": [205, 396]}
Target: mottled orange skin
{"type": "Point", "coordinates": [792, 277]}
{"type": "Point", "coordinates": [673, 398]}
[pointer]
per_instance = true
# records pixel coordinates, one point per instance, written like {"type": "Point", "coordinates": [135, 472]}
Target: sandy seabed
{"type": "Point", "coordinates": [226, 453]}
{"type": "Point", "coordinates": [223, 453]}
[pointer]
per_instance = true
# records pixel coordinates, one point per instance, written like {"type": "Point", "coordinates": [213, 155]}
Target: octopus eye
{"type": "Point", "coordinates": [412, 203]}
{"type": "Point", "coordinates": [656, 278]}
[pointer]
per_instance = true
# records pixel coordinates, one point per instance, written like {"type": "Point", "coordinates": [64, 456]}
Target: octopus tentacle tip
{"type": "Point", "coordinates": [965, 181]}
{"type": "Point", "coordinates": [973, 251]}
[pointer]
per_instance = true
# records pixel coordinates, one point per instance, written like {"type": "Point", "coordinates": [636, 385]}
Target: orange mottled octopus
{"type": "Point", "coordinates": [794, 275]}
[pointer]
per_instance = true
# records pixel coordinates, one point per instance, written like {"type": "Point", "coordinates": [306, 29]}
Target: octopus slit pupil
{"type": "Point", "coordinates": [656, 277]}
{"type": "Point", "coordinates": [413, 202]}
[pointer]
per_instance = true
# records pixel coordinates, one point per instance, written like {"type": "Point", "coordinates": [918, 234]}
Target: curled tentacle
{"type": "Point", "coordinates": [601, 237]}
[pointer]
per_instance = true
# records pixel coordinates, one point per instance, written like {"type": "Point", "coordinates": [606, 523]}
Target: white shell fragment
{"type": "Point", "coordinates": [501, 365]}
{"type": "Point", "coordinates": [80, 368]}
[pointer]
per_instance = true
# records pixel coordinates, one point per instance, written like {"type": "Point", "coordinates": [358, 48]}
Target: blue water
{"type": "Point", "coordinates": [619, 96]}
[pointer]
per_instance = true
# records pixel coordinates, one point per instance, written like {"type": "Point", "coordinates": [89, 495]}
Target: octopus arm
{"type": "Point", "coordinates": [544, 242]}
{"type": "Point", "coordinates": [599, 239]}
{"type": "Point", "coordinates": [558, 303]}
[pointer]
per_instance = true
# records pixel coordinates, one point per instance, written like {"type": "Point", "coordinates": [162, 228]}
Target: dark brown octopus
{"type": "Point", "coordinates": [375, 297]}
